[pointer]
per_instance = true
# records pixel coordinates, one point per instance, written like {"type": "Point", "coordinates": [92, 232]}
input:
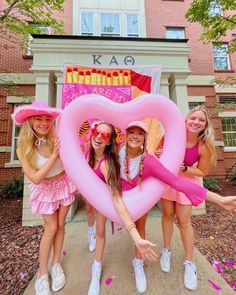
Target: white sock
{"type": "Point", "coordinates": [92, 229]}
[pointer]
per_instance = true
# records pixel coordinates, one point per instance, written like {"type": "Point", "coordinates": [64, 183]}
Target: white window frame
{"type": "Point", "coordinates": [86, 33]}
{"type": "Point", "coordinates": [46, 31]}
{"type": "Point", "coordinates": [221, 56]}
{"type": "Point", "coordinates": [215, 9]}
{"type": "Point", "coordinates": [14, 140]}
{"type": "Point", "coordinates": [127, 28]}
{"type": "Point", "coordinates": [228, 115]}
{"type": "Point", "coordinates": [177, 30]}
{"type": "Point", "coordinates": [109, 33]}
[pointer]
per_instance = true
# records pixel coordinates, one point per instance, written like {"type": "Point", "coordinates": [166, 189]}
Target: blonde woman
{"type": "Point", "coordinates": [52, 193]}
{"type": "Point", "coordinates": [200, 155]}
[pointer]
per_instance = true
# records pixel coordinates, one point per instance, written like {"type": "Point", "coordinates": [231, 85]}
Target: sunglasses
{"type": "Point", "coordinates": [104, 135]}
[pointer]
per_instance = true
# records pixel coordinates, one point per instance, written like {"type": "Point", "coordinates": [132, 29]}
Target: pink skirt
{"type": "Point", "coordinates": [47, 196]}
{"type": "Point", "coordinates": [176, 196]}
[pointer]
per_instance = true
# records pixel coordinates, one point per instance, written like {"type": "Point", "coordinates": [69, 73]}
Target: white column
{"type": "Point", "coordinates": [45, 87]}
{"type": "Point", "coordinates": [164, 90]}
{"type": "Point", "coordinates": [59, 82]}
{"type": "Point", "coordinates": [178, 91]}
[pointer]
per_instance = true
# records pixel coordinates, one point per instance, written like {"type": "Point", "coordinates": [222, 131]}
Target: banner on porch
{"type": "Point", "coordinates": [120, 84]}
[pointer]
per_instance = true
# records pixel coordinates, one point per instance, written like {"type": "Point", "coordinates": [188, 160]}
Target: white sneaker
{"type": "Point", "coordinates": [94, 288]}
{"type": "Point", "coordinates": [58, 277]}
{"type": "Point", "coordinates": [140, 277]}
{"type": "Point", "coordinates": [42, 285]}
{"type": "Point", "coordinates": [190, 275]}
{"type": "Point", "coordinates": [165, 260]}
{"type": "Point", "coordinates": [92, 239]}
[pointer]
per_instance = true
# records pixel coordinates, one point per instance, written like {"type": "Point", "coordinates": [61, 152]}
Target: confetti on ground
{"type": "Point", "coordinates": [64, 253]}
{"type": "Point", "coordinates": [229, 263]}
{"type": "Point", "coordinates": [215, 286]}
{"type": "Point", "coordinates": [108, 281]}
{"type": "Point", "coordinates": [217, 266]}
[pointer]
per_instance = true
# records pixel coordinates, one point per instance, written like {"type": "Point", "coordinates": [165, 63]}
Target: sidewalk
{"type": "Point", "coordinates": [117, 264]}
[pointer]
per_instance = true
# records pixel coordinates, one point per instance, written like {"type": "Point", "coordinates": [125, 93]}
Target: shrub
{"type": "Point", "coordinates": [12, 188]}
{"type": "Point", "coordinates": [211, 184]}
{"type": "Point", "coordinates": [232, 174]}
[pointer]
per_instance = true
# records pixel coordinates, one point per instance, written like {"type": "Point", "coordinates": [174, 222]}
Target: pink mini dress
{"type": "Point", "coordinates": [47, 196]}
{"type": "Point", "coordinates": [191, 157]}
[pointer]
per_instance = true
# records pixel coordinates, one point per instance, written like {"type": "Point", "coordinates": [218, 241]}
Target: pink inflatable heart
{"type": "Point", "coordinates": [137, 200]}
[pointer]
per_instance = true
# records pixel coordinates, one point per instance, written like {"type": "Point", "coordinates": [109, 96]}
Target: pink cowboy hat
{"type": "Point", "coordinates": [36, 108]}
{"type": "Point", "coordinates": [139, 124]}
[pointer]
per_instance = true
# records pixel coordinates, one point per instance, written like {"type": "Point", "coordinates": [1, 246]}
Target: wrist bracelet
{"type": "Point", "coordinates": [130, 227]}
{"type": "Point", "coordinates": [185, 168]}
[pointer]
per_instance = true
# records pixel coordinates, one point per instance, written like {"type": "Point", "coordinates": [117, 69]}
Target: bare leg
{"type": "Point", "coordinates": [50, 229]}
{"type": "Point", "coordinates": [90, 214]}
{"type": "Point", "coordinates": [168, 214]}
{"type": "Point", "coordinates": [183, 214]}
{"type": "Point", "coordinates": [60, 234]}
{"type": "Point", "coordinates": [100, 236]}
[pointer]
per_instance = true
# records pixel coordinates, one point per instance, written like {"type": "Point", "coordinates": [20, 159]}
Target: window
{"type": "Point", "coordinates": [39, 29]}
{"type": "Point", "coordinates": [215, 9]}
{"type": "Point", "coordinates": [227, 99]}
{"type": "Point", "coordinates": [15, 135]}
{"type": "Point", "coordinates": [132, 25]}
{"type": "Point", "coordinates": [229, 131]}
{"type": "Point", "coordinates": [221, 57]}
{"type": "Point", "coordinates": [175, 33]}
{"type": "Point", "coordinates": [110, 24]}
{"type": "Point", "coordinates": [86, 24]}
{"type": "Point", "coordinates": [192, 105]}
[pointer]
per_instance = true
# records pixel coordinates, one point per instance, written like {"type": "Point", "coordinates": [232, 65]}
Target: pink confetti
{"type": "Point", "coordinates": [217, 266]}
{"type": "Point", "coordinates": [120, 229]}
{"type": "Point", "coordinates": [64, 253]}
{"type": "Point", "coordinates": [215, 286]}
{"type": "Point", "coordinates": [108, 281]}
{"type": "Point", "coordinates": [233, 285]}
{"type": "Point", "coordinates": [229, 263]}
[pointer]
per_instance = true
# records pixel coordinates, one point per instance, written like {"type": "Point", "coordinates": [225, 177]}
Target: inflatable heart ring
{"type": "Point", "coordinates": [138, 200]}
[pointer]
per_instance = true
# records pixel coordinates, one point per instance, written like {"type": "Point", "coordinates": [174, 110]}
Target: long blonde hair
{"type": "Point", "coordinates": [26, 142]}
{"type": "Point", "coordinates": [207, 135]}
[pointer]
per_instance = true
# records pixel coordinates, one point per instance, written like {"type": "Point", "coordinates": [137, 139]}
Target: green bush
{"type": "Point", "coordinates": [232, 179]}
{"type": "Point", "coordinates": [232, 174]}
{"type": "Point", "coordinates": [12, 188]}
{"type": "Point", "coordinates": [211, 184]}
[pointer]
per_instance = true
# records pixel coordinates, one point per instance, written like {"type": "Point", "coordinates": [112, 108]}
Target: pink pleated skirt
{"type": "Point", "coordinates": [176, 196]}
{"type": "Point", "coordinates": [47, 196]}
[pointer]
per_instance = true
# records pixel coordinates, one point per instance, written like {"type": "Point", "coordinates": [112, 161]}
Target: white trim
{"type": "Point", "coordinates": [19, 78]}
{"type": "Point", "coordinates": [229, 149]}
{"type": "Point", "coordinates": [13, 164]}
{"type": "Point", "coordinates": [219, 143]}
{"type": "Point", "coordinates": [20, 99]}
{"type": "Point", "coordinates": [196, 98]}
{"type": "Point", "coordinates": [231, 114]}
{"type": "Point", "coordinates": [5, 149]}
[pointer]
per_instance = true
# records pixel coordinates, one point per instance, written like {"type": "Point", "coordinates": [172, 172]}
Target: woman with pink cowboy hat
{"type": "Point", "coordinates": [52, 192]}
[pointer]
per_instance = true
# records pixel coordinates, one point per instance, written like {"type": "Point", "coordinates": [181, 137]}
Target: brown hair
{"type": "Point", "coordinates": [111, 155]}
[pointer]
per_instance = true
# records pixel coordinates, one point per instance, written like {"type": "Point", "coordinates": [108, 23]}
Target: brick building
{"type": "Point", "coordinates": [109, 33]}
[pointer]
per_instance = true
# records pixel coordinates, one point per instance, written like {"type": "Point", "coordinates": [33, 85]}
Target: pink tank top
{"type": "Point", "coordinates": [98, 171]}
{"type": "Point", "coordinates": [191, 155]}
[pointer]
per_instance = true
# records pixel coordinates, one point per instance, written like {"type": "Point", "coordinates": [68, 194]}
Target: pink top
{"type": "Point", "coordinates": [98, 171]}
{"type": "Point", "coordinates": [191, 155]}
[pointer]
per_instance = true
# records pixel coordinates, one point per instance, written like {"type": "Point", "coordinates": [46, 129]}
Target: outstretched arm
{"type": "Point", "coordinates": [145, 247]}
{"type": "Point", "coordinates": [227, 203]}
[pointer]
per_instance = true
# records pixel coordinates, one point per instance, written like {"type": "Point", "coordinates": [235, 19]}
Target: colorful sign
{"type": "Point", "coordinates": [120, 84]}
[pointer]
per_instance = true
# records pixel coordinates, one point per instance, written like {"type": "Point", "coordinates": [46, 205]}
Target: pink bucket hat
{"type": "Point", "coordinates": [36, 108]}
{"type": "Point", "coordinates": [139, 124]}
